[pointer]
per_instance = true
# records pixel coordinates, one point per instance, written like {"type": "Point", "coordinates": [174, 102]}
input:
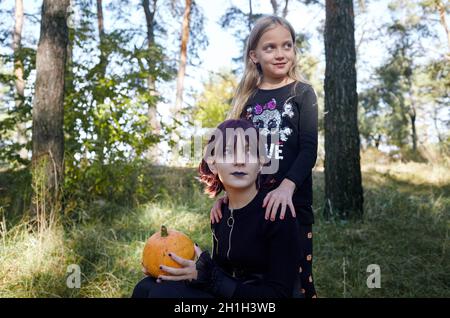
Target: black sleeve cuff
{"type": "Point", "coordinates": [212, 278]}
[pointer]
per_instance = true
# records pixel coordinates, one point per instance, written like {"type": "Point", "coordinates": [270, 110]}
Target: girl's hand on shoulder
{"type": "Point", "coordinates": [188, 271]}
{"type": "Point", "coordinates": [216, 210]}
{"type": "Point", "coordinates": [281, 196]}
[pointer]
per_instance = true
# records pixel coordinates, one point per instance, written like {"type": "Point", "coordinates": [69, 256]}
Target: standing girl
{"type": "Point", "coordinates": [273, 96]}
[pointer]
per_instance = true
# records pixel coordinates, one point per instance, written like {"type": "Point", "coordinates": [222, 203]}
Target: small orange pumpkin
{"type": "Point", "coordinates": [159, 245]}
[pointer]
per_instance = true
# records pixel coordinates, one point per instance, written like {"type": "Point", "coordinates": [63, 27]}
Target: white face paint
{"type": "Point", "coordinates": [239, 165]}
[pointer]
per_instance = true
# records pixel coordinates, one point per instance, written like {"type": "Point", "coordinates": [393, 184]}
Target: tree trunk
{"type": "Point", "coordinates": [69, 84]}
{"type": "Point", "coordinates": [183, 56]}
{"type": "Point", "coordinates": [18, 73]}
{"type": "Point", "coordinates": [149, 17]}
{"type": "Point", "coordinates": [377, 141]}
{"type": "Point", "coordinates": [101, 34]}
{"type": "Point", "coordinates": [274, 4]}
{"type": "Point", "coordinates": [48, 111]}
{"type": "Point", "coordinates": [412, 112]}
{"type": "Point", "coordinates": [412, 118]}
{"type": "Point", "coordinates": [436, 126]}
{"type": "Point", "coordinates": [152, 113]}
{"type": "Point", "coordinates": [285, 9]}
{"type": "Point", "coordinates": [343, 188]}
{"type": "Point", "coordinates": [101, 72]}
{"type": "Point", "coordinates": [250, 16]}
{"type": "Point", "coordinates": [442, 17]}
{"type": "Point", "coordinates": [275, 7]}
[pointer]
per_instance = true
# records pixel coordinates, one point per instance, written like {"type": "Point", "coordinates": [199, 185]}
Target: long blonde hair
{"type": "Point", "coordinates": [252, 76]}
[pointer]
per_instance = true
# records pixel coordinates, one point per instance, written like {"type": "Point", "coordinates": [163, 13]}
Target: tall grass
{"type": "Point", "coordinates": [405, 231]}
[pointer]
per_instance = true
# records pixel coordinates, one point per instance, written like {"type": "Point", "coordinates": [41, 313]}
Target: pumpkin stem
{"type": "Point", "coordinates": [164, 231]}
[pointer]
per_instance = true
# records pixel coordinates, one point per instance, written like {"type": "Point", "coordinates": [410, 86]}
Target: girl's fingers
{"type": "Point", "coordinates": [283, 210]}
{"type": "Point", "coordinates": [266, 213]}
{"type": "Point", "coordinates": [219, 210]}
{"type": "Point", "coordinates": [212, 216]}
{"type": "Point", "coordinates": [266, 199]}
{"type": "Point", "coordinates": [291, 207]}
{"type": "Point", "coordinates": [275, 207]}
{"type": "Point", "coordinates": [218, 214]}
{"type": "Point", "coordinates": [269, 208]}
{"type": "Point", "coordinates": [182, 261]}
{"type": "Point", "coordinates": [216, 217]}
{"type": "Point", "coordinates": [173, 270]}
{"type": "Point", "coordinates": [172, 278]}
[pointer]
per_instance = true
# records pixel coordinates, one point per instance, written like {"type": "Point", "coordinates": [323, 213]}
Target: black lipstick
{"type": "Point", "coordinates": [239, 173]}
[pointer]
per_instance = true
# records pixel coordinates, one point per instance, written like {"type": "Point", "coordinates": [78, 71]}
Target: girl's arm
{"type": "Point", "coordinates": [308, 122]}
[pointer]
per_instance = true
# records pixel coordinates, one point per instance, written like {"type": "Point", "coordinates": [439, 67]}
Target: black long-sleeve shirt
{"type": "Point", "coordinates": [291, 111]}
{"type": "Point", "coordinates": [259, 257]}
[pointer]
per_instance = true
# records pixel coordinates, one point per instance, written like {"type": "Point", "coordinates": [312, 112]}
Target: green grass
{"type": "Point", "coordinates": [405, 231]}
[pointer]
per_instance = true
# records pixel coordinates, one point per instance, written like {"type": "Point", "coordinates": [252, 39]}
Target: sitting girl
{"type": "Point", "coordinates": [252, 256]}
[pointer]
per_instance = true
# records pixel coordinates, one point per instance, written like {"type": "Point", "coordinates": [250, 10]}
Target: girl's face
{"type": "Point", "coordinates": [275, 52]}
{"type": "Point", "coordinates": [239, 166]}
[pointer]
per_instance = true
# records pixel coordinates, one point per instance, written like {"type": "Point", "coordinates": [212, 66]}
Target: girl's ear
{"type": "Point", "coordinates": [253, 57]}
{"type": "Point", "coordinates": [212, 165]}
